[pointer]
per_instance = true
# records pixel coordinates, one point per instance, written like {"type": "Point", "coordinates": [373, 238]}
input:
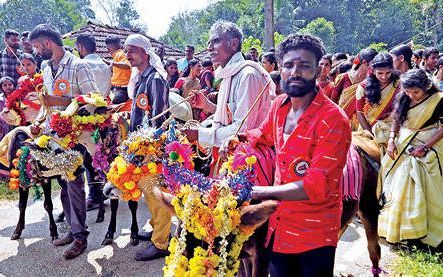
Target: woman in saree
{"type": "Point", "coordinates": [375, 95]}
{"type": "Point", "coordinates": [346, 84]}
{"type": "Point", "coordinates": [190, 80]}
{"type": "Point", "coordinates": [411, 182]}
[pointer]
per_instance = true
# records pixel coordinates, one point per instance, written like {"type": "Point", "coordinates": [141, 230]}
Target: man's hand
{"type": "Point", "coordinates": [230, 144]}
{"type": "Point", "coordinates": [200, 101]}
{"type": "Point", "coordinates": [191, 134]}
{"type": "Point", "coordinates": [51, 100]}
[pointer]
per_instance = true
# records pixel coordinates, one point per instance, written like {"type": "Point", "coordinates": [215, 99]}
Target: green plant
{"type": "Point", "coordinates": [418, 263]}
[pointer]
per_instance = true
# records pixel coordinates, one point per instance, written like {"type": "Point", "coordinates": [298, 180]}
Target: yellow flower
{"type": "Point", "coordinates": [43, 141]}
{"type": "Point", "coordinates": [152, 168]}
{"type": "Point", "coordinates": [251, 160]}
{"type": "Point", "coordinates": [137, 170]}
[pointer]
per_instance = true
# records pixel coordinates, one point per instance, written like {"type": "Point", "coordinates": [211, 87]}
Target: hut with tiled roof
{"type": "Point", "coordinates": [101, 32]}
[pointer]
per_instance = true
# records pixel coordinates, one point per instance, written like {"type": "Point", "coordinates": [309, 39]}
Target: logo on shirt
{"type": "Point", "coordinates": [300, 167]}
{"type": "Point", "coordinates": [61, 87]}
{"type": "Point", "coordinates": [142, 102]}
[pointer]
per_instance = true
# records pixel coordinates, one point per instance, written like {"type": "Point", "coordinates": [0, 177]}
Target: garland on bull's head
{"type": "Point", "coordinates": [84, 113]}
{"type": "Point", "coordinates": [209, 209]}
{"type": "Point", "coordinates": [140, 160]}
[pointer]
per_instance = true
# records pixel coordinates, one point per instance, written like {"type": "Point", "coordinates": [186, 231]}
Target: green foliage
{"type": "Point", "coordinates": [345, 26]}
{"type": "Point", "coordinates": [6, 193]}
{"type": "Point", "coordinates": [278, 38]}
{"type": "Point", "coordinates": [24, 15]}
{"type": "Point", "coordinates": [418, 263]}
{"type": "Point", "coordinates": [323, 29]}
{"type": "Point", "coordinates": [379, 46]}
{"type": "Point", "coordinates": [127, 15]}
{"type": "Point", "coordinates": [251, 42]}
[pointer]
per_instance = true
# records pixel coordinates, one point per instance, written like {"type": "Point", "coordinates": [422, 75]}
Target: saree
{"type": "Point", "coordinates": [347, 101]}
{"type": "Point", "coordinates": [412, 187]}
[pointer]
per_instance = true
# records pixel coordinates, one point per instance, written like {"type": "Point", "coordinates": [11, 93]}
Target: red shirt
{"type": "Point", "coordinates": [327, 88]}
{"type": "Point", "coordinates": [315, 152]}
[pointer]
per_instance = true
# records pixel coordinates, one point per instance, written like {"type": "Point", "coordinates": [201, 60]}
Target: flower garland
{"type": "Point", "coordinates": [20, 174]}
{"type": "Point", "coordinates": [209, 210]}
{"type": "Point", "coordinates": [69, 125]}
{"type": "Point", "coordinates": [28, 85]}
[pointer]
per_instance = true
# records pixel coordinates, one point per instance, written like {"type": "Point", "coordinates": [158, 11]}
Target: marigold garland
{"type": "Point", "coordinates": [209, 209]}
{"type": "Point", "coordinates": [69, 125]}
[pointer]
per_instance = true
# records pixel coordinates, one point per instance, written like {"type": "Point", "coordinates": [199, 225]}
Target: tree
{"type": "Point", "coordinates": [64, 15]}
{"type": "Point", "coordinates": [121, 13]}
{"type": "Point", "coordinates": [323, 29]}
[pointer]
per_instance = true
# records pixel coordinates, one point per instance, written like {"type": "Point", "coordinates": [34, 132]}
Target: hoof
{"type": "Point", "coordinates": [100, 219]}
{"type": "Point", "coordinates": [134, 241]}
{"type": "Point", "coordinates": [107, 241]}
{"type": "Point", "coordinates": [15, 236]}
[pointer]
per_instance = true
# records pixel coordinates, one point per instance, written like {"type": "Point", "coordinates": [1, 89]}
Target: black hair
{"type": "Point", "coordinates": [271, 58]}
{"type": "Point", "coordinates": [405, 51]}
{"type": "Point", "coordinates": [25, 34]}
{"type": "Point", "coordinates": [191, 63]}
{"type": "Point", "coordinates": [439, 63]}
{"type": "Point", "coordinates": [46, 31]}
{"type": "Point", "coordinates": [366, 54]}
{"type": "Point", "coordinates": [2, 79]}
{"type": "Point", "coordinates": [339, 56]}
{"type": "Point", "coordinates": [191, 47]}
{"type": "Point", "coordinates": [88, 42]}
{"type": "Point", "coordinates": [169, 62]}
{"type": "Point", "coordinates": [275, 76]}
{"type": "Point", "coordinates": [207, 62]}
{"type": "Point", "coordinates": [429, 51]}
{"type": "Point", "coordinates": [114, 40]}
{"type": "Point", "coordinates": [272, 49]}
{"type": "Point", "coordinates": [418, 53]}
{"type": "Point", "coordinates": [373, 89]}
{"type": "Point", "coordinates": [414, 78]}
{"type": "Point", "coordinates": [327, 57]}
{"type": "Point", "coordinates": [344, 66]}
{"type": "Point", "coordinates": [252, 48]}
{"type": "Point", "coordinates": [28, 56]}
{"type": "Point", "coordinates": [9, 33]}
{"type": "Point", "coordinates": [301, 41]}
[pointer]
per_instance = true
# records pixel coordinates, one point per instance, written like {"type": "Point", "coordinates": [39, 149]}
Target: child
{"type": "Point", "coordinates": [7, 86]}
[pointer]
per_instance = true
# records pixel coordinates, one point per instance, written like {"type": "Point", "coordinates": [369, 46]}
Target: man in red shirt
{"type": "Point", "coordinates": [311, 136]}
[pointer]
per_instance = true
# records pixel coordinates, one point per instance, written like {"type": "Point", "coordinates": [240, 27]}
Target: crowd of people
{"type": "Point", "coordinates": [316, 111]}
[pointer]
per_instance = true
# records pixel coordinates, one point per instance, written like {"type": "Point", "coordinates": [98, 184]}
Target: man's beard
{"type": "Point", "coordinates": [14, 46]}
{"type": "Point", "coordinates": [297, 90]}
{"type": "Point", "coordinates": [46, 54]}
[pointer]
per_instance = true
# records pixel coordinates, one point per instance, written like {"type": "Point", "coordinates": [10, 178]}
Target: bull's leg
{"type": "Point", "coordinates": [101, 212]}
{"type": "Point", "coordinates": [49, 208]}
{"type": "Point", "coordinates": [22, 203]}
{"type": "Point", "coordinates": [134, 226]}
{"type": "Point", "coordinates": [368, 212]}
{"type": "Point", "coordinates": [371, 225]}
{"type": "Point", "coordinates": [350, 208]}
{"type": "Point", "coordinates": [109, 238]}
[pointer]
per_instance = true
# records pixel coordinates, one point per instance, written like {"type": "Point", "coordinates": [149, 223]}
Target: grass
{"type": "Point", "coordinates": [8, 194]}
{"type": "Point", "coordinates": [414, 262]}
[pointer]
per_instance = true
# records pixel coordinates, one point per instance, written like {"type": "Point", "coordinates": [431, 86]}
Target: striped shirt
{"type": "Point", "coordinates": [154, 87]}
{"type": "Point", "coordinates": [315, 153]}
{"type": "Point", "coordinates": [75, 72]}
{"type": "Point", "coordinates": [9, 64]}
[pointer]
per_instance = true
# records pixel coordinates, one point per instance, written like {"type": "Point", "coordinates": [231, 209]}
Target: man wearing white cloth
{"type": "Point", "coordinates": [241, 85]}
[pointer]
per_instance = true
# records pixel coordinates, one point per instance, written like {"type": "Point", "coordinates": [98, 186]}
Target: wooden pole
{"type": "Point", "coordinates": [269, 24]}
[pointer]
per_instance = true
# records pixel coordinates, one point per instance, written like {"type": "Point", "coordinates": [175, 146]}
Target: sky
{"type": "Point", "coordinates": [157, 14]}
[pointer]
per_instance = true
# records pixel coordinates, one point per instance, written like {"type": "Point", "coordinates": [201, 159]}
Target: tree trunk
{"type": "Point", "coordinates": [269, 24]}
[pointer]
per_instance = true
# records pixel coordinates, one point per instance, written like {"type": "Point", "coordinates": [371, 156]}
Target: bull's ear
{"type": "Point", "coordinates": [256, 215]}
{"type": "Point", "coordinates": [164, 198]}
